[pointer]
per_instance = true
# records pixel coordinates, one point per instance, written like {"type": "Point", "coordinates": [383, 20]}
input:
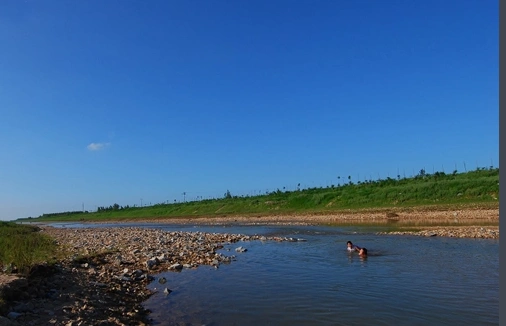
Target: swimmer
{"type": "Point", "coordinates": [351, 247]}
{"type": "Point", "coordinates": [362, 252]}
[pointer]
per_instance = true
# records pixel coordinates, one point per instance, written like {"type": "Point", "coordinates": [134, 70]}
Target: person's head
{"type": "Point", "coordinates": [349, 244]}
{"type": "Point", "coordinates": [362, 252]}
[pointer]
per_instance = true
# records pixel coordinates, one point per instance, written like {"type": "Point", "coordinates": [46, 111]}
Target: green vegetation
{"type": "Point", "coordinates": [479, 187]}
{"type": "Point", "coordinates": [22, 246]}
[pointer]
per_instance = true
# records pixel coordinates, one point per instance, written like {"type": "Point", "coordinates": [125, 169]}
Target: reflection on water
{"type": "Point", "coordinates": [404, 280]}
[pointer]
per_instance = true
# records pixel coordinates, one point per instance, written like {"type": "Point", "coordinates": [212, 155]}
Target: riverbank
{"type": "Point", "coordinates": [103, 279]}
{"type": "Point", "coordinates": [419, 216]}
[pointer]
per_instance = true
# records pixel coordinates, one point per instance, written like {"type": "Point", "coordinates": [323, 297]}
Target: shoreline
{"type": "Point", "coordinates": [429, 216]}
{"type": "Point", "coordinates": [103, 280]}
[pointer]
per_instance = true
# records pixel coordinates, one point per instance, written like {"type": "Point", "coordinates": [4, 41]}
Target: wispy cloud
{"type": "Point", "coordinates": [97, 146]}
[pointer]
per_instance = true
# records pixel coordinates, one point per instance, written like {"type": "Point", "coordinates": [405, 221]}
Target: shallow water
{"type": "Point", "coordinates": [405, 280]}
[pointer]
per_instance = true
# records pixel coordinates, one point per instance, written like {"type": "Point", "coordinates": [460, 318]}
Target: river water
{"type": "Point", "coordinates": [405, 280]}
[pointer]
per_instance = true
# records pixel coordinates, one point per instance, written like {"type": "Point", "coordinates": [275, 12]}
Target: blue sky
{"type": "Point", "coordinates": [106, 102]}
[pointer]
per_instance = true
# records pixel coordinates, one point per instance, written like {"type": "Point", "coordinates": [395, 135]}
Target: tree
{"type": "Point", "coordinates": [228, 195]}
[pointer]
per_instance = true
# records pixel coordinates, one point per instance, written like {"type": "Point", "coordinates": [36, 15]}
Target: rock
{"type": "Point", "coordinates": [24, 307]}
{"type": "Point", "coordinates": [167, 291]}
{"type": "Point", "coordinates": [162, 280]}
{"type": "Point", "coordinates": [4, 321]}
{"type": "Point", "coordinates": [13, 315]}
{"type": "Point", "coordinates": [137, 273]}
{"type": "Point", "coordinates": [139, 278]}
{"type": "Point", "coordinates": [176, 266]}
{"type": "Point", "coordinates": [240, 249]}
{"type": "Point", "coordinates": [152, 263]}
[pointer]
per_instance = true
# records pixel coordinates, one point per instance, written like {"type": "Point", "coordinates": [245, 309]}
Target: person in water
{"type": "Point", "coordinates": [352, 247]}
{"type": "Point", "coordinates": [362, 252]}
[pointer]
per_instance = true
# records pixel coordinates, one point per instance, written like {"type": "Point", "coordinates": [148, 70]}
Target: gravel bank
{"type": "Point", "coordinates": [467, 216]}
{"type": "Point", "coordinates": [103, 280]}
{"type": "Point", "coordinates": [476, 232]}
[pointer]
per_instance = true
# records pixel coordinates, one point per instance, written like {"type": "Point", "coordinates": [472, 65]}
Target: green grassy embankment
{"type": "Point", "coordinates": [437, 191]}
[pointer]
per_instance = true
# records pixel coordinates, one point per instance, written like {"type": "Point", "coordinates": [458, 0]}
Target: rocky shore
{"type": "Point", "coordinates": [477, 232]}
{"type": "Point", "coordinates": [103, 279]}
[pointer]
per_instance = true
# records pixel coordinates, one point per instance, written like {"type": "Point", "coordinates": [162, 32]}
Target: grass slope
{"type": "Point", "coordinates": [480, 187]}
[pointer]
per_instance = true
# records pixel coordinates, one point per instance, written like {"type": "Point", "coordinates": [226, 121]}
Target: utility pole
{"type": "Point", "coordinates": [141, 202]}
{"type": "Point", "coordinates": [83, 207]}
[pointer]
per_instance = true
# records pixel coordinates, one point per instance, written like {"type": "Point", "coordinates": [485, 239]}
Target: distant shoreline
{"type": "Point", "coordinates": [413, 221]}
{"type": "Point", "coordinates": [412, 216]}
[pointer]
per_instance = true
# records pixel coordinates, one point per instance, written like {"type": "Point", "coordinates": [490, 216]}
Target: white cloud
{"type": "Point", "coordinates": [97, 146]}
